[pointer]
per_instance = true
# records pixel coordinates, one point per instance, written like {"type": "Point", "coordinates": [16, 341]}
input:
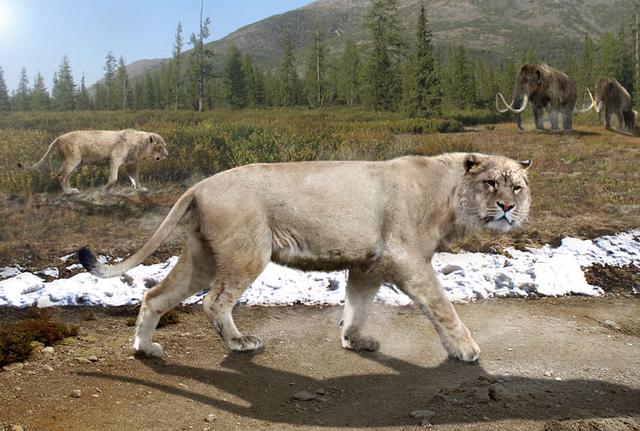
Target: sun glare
{"type": "Point", "coordinates": [6, 19]}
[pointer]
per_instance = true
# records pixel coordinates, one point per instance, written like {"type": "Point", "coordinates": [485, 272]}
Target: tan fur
{"type": "Point", "coordinates": [380, 220]}
{"type": "Point", "coordinates": [118, 148]}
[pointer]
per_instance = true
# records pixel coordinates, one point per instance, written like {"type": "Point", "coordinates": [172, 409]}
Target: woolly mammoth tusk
{"type": "Point", "coordinates": [510, 107]}
{"type": "Point", "coordinates": [588, 108]}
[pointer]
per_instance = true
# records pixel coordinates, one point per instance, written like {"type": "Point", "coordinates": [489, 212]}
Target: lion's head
{"type": "Point", "coordinates": [157, 148]}
{"type": "Point", "coordinates": [494, 193]}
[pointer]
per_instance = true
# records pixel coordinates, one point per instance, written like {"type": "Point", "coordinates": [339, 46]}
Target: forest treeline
{"type": "Point", "coordinates": [390, 72]}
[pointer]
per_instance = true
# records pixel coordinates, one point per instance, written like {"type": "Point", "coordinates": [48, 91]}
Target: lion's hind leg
{"type": "Point", "coordinates": [361, 289]}
{"type": "Point", "coordinates": [233, 275]}
{"type": "Point", "coordinates": [192, 273]}
{"type": "Point", "coordinates": [66, 169]}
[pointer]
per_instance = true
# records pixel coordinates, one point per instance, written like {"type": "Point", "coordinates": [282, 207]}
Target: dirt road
{"type": "Point", "coordinates": [554, 364]}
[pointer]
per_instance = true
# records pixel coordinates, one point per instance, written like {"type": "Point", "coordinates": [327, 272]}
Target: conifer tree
{"type": "Point", "coordinates": [5, 103]}
{"type": "Point", "coordinates": [382, 67]}
{"type": "Point", "coordinates": [109, 80]}
{"type": "Point", "coordinates": [315, 80]}
{"type": "Point", "coordinates": [200, 60]}
{"type": "Point", "coordinates": [176, 68]}
{"type": "Point", "coordinates": [39, 95]}
{"type": "Point", "coordinates": [22, 97]}
{"type": "Point", "coordinates": [422, 94]}
{"type": "Point", "coordinates": [250, 79]}
{"type": "Point", "coordinates": [461, 82]}
{"type": "Point", "coordinates": [609, 65]}
{"type": "Point", "coordinates": [260, 95]}
{"type": "Point", "coordinates": [121, 88]}
{"type": "Point", "coordinates": [83, 101]}
{"type": "Point", "coordinates": [587, 77]}
{"type": "Point", "coordinates": [233, 79]}
{"type": "Point", "coordinates": [624, 60]}
{"type": "Point", "coordinates": [64, 89]}
{"type": "Point", "coordinates": [349, 73]}
{"type": "Point", "coordinates": [287, 75]}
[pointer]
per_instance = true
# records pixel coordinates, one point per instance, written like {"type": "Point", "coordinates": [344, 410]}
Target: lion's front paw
{"type": "Point", "coordinates": [246, 343]}
{"type": "Point", "coordinates": [463, 349]}
{"type": "Point", "coordinates": [153, 350]}
{"type": "Point", "coordinates": [360, 344]}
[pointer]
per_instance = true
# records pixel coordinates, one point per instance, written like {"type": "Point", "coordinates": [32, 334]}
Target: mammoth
{"type": "Point", "coordinates": [546, 88]}
{"type": "Point", "coordinates": [615, 99]}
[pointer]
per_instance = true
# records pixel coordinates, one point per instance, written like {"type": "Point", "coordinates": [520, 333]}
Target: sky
{"type": "Point", "coordinates": [36, 34]}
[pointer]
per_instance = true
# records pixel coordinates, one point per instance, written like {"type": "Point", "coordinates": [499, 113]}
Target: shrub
{"type": "Point", "coordinates": [16, 339]}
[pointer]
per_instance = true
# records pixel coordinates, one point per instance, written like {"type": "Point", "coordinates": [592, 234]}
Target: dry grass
{"type": "Point", "coordinates": [584, 184]}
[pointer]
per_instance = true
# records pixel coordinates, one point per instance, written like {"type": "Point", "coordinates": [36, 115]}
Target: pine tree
{"type": "Point", "coordinates": [121, 90]}
{"type": "Point", "coordinates": [315, 80]}
{"type": "Point", "coordinates": [148, 93]}
{"type": "Point", "coordinates": [348, 85]}
{"type": "Point", "coordinates": [22, 97]}
{"type": "Point", "coordinates": [39, 95]}
{"type": "Point", "coordinates": [382, 67]}
{"type": "Point", "coordinates": [83, 101]}
{"type": "Point", "coordinates": [486, 85]}
{"type": "Point", "coordinates": [177, 81]}
{"type": "Point", "coordinates": [250, 79]}
{"type": "Point", "coordinates": [422, 94]}
{"type": "Point", "coordinates": [288, 78]}
{"type": "Point", "coordinates": [624, 60]}
{"type": "Point", "coordinates": [200, 60]}
{"type": "Point", "coordinates": [110, 67]}
{"type": "Point", "coordinates": [461, 83]}
{"type": "Point", "coordinates": [260, 96]}
{"type": "Point", "coordinates": [138, 94]}
{"type": "Point", "coordinates": [233, 79]}
{"type": "Point", "coordinates": [64, 89]}
{"type": "Point", "coordinates": [5, 103]}
{"type": "Point", "coordinates": [608, 56]}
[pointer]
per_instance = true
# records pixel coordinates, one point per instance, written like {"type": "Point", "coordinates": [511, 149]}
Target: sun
{"type": "Point", "coordinates": [7, 18]}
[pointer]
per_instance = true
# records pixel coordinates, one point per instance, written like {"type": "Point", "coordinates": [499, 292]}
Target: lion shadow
{"type": "Point", "coordinates": [456, 392]}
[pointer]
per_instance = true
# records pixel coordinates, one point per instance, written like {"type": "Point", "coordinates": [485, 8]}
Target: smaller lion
{"type": "Point", "coordinates": [117, 147]}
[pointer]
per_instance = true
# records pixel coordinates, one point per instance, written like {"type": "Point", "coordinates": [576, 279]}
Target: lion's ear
{"type": "Point", "coordinates": [470, 162]}
{"type": "Point", "coordinates": [151, 139]}
{"type": "Point", "coordinates": [525, 164]}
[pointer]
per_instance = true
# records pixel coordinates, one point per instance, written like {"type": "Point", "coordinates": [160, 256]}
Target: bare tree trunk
{"type": "Point", "coordinates": [201, 63]}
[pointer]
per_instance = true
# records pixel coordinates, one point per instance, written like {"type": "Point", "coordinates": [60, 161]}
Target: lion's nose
{"type": "Point", "coordinates": [506, 206]}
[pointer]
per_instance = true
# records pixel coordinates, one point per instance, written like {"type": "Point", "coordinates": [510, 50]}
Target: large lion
{"type": "Point", "coordinates": [380, 220]}
{"type": "Point", "coordinates": [118, 148]}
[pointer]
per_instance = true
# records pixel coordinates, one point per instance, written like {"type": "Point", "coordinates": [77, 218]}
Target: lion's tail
{"type": "Point", "coordinates": [44, 157]}
{"type": "Point", "coordinates": [91, 264]}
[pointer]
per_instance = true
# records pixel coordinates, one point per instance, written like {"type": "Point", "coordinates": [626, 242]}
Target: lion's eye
{"type": "Point", "coordinates": [517, 188]}
{"type": "Point", "coordinates": [491, 183]}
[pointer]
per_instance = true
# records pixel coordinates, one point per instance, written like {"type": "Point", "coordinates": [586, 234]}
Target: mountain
{"type": "Point", "coordinates": [499, 27]}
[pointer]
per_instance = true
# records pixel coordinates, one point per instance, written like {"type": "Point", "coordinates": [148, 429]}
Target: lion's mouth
{"type": "Point", "coordinates": [490, 219]}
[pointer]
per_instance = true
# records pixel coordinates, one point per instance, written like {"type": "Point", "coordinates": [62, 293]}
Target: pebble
{"type": "Point", "coordinates": [47, 367]}
{"type": "Point", "coordinates": [558, 379]}
{"type": "Point", "coordinates": [76, 393]}
{"type": "Point", "coordinates": [321, 392]}
{"type": "Point", "coordinates": [48, 350]}
{"type": "Point", "coordinates": [304, 396]}
{"type": "Point", "coordinates": [81, 360]}
{"type": "Point", "coordinates": [548, 373]}
{"type": "Point", "coordinates": [13, 367]}
{"type": "Point", "coordinates": [93, 358]}
{"type": "Point", "coordinates": [612, 324]}
{"type": "Point", "coordinates": [16, 428]}
{"type": "Point", "coordinates": [210, 418]}
{"type": "Point", "coordinates": [423, 414]}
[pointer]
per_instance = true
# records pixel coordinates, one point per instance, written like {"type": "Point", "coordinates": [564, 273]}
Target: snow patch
{"type": "Point", "coordinates": [545, 271]}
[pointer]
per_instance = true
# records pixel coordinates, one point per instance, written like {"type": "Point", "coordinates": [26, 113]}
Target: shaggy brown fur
{"type": "Point", "coordinates": [615, 100]}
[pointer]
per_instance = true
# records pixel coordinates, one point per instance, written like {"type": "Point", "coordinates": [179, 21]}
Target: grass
{"type": "Point", "coordinates": [17, 339]}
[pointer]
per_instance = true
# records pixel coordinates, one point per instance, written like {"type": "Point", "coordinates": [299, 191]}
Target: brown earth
{"type": "Point", "coordinates": [549, 364]}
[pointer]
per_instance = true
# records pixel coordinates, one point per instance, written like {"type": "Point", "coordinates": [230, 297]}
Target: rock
{"type": "Point", "coordinates": [304, 396]}
{"type": "Point", "coordinates": [13, 367]}
{"type": "Point", "coordinates": [93, 358]}
{"type": "Point", "coordinates": [548, 373]}
{"type": "Point", "coordinates": [558, 379]}
{"type": "Point", "coordinates": [76, 393]}
{"type": "Point", "coordinates": [451, 268]}
{"type": "Point", "coordinates": [119, 201]}
{"type": "Point", "coordinates": [612, 324]}
{"type": "Point", "coordinates": [47, 367]}
{"type": "Point", "coordinates": [423, 414]}
{"type": "Point", "coordinates": [48, 350]}
{"type": "Point", "coordinates": [81, 360]}
{"type": "Point", "coordinates": [210, 417]}
{"type": "Point", "coordinates": [321, 392]}
{"type": "Point", "coordinates": [16, 428]}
